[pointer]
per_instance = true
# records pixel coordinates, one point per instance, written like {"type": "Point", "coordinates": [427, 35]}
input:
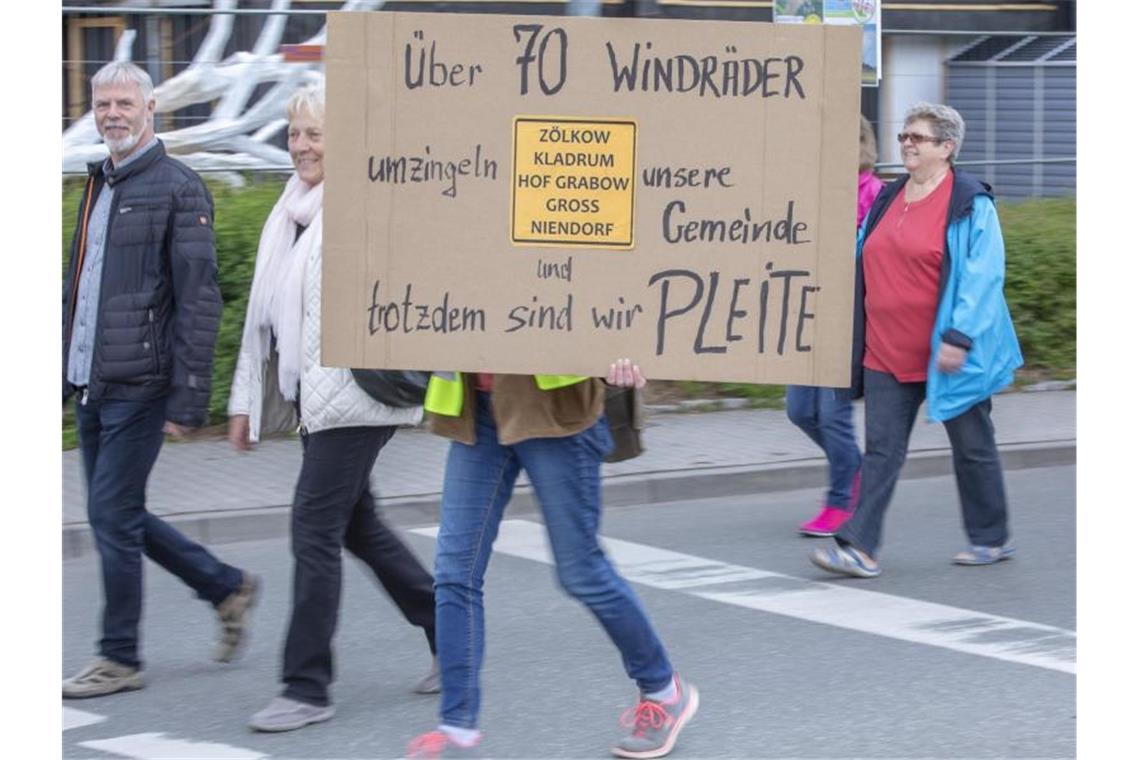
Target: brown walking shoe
{"type": "Point", "coordinates": [101, 677]}
{"type": "Point", "coordinates": [233, 613]}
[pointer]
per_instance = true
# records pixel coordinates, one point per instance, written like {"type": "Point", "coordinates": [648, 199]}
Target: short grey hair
{"type": "Point", "coordinates": [124, 72]}
{"type": "Point", "coordinates": [310, 98]}
{"type": "Point", "coordinates": [945, 121]}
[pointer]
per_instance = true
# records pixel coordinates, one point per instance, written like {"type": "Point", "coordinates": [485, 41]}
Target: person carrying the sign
{"type": "Point", "coordinates": [552, 426]}
{"type": "Point", "coordinates": [931, 324]}
{"type": "Point", "coordinates": [279, 378]}
{"type": "Point", "coordinates": [824, 414]}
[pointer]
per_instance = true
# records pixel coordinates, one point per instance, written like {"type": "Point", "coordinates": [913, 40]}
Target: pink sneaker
{"type": "Point", "coordinates": [437, 744]}
{"type": "Point", "coordinates": [826, 523]}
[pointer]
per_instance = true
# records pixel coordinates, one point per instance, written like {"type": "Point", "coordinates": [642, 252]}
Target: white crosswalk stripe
{"type": "Point", "coordinates": [857, 609]}
{"type": "Point", "coordinates": [156, 745]}
{"type": "Point", "coordinates": [153, 745]}
{"type": "Point", "coordinates": [73, 718]}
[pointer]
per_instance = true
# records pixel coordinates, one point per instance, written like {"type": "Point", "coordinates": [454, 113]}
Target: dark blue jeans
{"type": "Point", "coordinates": [824, 414]}
{"type": "Point", "coordinates": [891, 408]}
{"type": "Point", "coordinates": [119, 441]}
{"type": "Point", "coordinates": [566, 475]}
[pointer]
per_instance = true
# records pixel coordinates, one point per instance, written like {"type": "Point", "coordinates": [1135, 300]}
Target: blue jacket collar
{"type": "Point", "coordinates": [151, 153]}
{"type": "Point", "coordinates": [961, 201]}
{"type": "Point", "coordinates": [966, 188]}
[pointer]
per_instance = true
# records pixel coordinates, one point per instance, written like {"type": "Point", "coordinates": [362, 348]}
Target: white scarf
{"type": "Point", "coordinates": [275, 300]}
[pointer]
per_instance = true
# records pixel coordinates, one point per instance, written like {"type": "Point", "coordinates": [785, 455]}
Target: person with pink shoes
{"type": "Point", "coordinates": [824, 414]}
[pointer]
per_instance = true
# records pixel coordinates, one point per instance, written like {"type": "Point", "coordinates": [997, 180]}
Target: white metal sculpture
{"type": "Point", "coordinates": [237, 134]}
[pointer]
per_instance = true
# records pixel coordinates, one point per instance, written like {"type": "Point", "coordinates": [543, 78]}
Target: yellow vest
{"type": "Point", "coordinates": [445, 396]}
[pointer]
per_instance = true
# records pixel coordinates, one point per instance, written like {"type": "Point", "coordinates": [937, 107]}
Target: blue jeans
{"type": "Point", "coordinates": [119, 441]}
{"type": "Point", "coordinates": [566, 475]}
{"type": "Point", "coordinates": [824, 414]}
{"type": "Point", "coordinates": [891, 409]}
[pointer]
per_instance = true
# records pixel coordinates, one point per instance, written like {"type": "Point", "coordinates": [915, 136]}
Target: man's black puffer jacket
{"type": "Point", "coordinates": [159, 303]}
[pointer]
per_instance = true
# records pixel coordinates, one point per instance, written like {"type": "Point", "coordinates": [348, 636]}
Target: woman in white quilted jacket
{"type": "Point", "coordinates": [278, 378]}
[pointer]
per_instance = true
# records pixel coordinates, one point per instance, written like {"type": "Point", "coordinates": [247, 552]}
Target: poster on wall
{"type": "Point", "coordinates": [866, 14]}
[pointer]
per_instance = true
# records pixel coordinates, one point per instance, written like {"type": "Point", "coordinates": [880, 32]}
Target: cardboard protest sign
{"type": "Point", "coordinates": [547, 194]}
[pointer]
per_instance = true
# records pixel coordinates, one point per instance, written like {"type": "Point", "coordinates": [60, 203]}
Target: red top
{"type": "Point", "coordinates": [484, 381]}
{"type": "Point", "coordinates": [902, 265]}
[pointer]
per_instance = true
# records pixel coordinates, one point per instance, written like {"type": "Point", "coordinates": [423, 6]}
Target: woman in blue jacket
{"type": "Point", "coordinates": [931, 324]}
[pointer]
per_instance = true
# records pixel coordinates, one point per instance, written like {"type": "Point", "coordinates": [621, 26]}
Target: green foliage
{"type": "Point", "coordinates": [70, 433]}
{"type": "Point", "coordinates": [238, 219]}
{"type": "Point", "coordinates": [1041, 280]}
{"type": "Point", "coordinates": [72, 193]}
{"type": "Point", "coordinates": [759, 396]}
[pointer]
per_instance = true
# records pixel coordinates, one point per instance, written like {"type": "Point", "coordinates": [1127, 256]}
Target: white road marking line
{"type": "Point", "coordinates": [896, 617]}
{"type": "Point", "coordinates": [157, 745]}
{"type": "Point", "coordinates": [73, 718]}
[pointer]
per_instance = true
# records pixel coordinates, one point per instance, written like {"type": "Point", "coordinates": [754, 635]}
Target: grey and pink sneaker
{"type": "Point", "coordinates": [846, 560]}
{"type": "Point", "coordinates": [654, 726]}
{"type": "Point", "coordinates": [436, 745]}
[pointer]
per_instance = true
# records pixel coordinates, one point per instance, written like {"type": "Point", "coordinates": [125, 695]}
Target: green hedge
{"type": "Point", "coordinates": [1040, 238]}
{"type": "Point", "coordinates": [238, 218]}
{"type": "Point", "coordinates": [1041, 281]}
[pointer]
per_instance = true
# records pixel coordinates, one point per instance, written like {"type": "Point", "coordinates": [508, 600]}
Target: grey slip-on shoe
{"type": "Point", "coordinates": [284, 714]}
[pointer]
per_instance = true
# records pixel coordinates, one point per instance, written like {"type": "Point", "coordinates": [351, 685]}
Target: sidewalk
{"type": "Point", "coordinates": [217, 495]}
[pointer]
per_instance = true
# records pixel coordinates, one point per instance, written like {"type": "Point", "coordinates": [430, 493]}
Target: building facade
{"type": "Point", "coordinates": [982, 57]}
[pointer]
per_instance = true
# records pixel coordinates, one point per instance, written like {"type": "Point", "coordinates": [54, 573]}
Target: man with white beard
{"type": "Point", "coordinates": [141, 309]}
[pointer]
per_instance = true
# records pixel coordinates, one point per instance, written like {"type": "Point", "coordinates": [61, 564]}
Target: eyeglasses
{"type": "Point", "coordinates": [917, 139]}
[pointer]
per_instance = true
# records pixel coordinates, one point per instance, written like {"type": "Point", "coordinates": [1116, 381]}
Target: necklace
{"type": "Point", "coordinates": [932, 183]}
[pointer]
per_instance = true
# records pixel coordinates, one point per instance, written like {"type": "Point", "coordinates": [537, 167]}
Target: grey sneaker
{"type": "Point", "coordinates": [984, 555]}
{"type": "Point", "coordinates": [233, 615]}
{"type": "Point", "coordinates": [430, 683]}
{"type": "Point", "coordinates": [846, 560]}
{"type": "Point", "coordinates": [284, 714]}
{"type": "Point", "coordinates": [102, 677]}
{"type": "Point", "coordinates": [656, 725]}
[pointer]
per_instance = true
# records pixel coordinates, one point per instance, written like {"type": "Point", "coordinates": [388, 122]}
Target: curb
{"type": "Point", "coordinates": [224, 527]}
{"type": "Point", "coordinates": [734, 403]}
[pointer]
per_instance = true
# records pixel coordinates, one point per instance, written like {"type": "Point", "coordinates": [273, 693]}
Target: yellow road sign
{"type": "Point", "coordinates": [573, 181]}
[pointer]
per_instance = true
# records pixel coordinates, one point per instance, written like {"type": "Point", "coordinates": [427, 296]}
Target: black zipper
{"type": "Point", "coordinates": [153, 330]}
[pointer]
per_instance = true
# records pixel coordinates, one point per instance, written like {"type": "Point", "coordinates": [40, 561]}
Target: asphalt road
{"type": "Point", "coordinates": [928, 661]}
